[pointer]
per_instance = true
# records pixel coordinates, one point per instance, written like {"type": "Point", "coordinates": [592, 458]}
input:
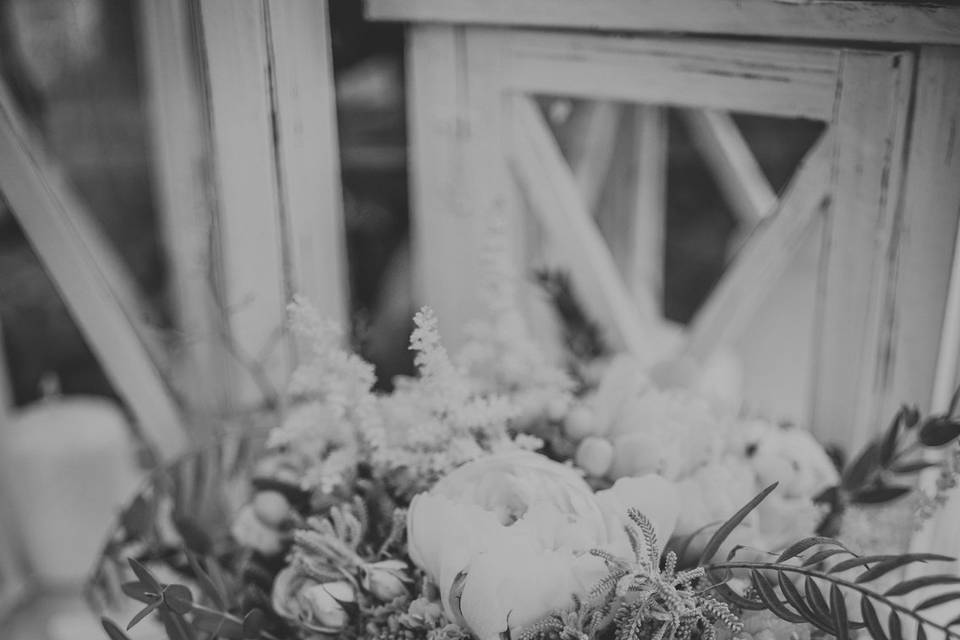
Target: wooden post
{"type": "Point", "coordinates": [928, 337]}
{"type": "Point", "coordinates": [444, 240]}
{"type": "Point", "coordinates": [179, 139]}
{"type": "Point", "coordinates": [858, 276]}
{"type": "Point", "coordinates": [278, 222]}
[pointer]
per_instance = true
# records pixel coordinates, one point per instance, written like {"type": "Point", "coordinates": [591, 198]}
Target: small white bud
{"type": "Point", "coordinates": [580, 422]}
{"type": "Point", "coordinates": [271, 507]}
{"type": "Point", "coordinates": [385, 580]}
{"type": "Point", "coordinates": [595, 456]}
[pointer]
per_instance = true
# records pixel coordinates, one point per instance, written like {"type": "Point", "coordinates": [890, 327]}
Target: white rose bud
{"type": "Point", "coordinates": [385, 580]}
{"type": "Point", "coordinates": [325, 603]}
{"type": "Point", "coordinates": [595, 456]}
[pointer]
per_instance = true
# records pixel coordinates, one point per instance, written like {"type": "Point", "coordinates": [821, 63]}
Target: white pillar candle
{"type": "Point", "coordinates": [66, 466]}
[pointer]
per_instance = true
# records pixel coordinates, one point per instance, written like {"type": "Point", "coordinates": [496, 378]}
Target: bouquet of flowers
{"type": "Point", "coordinates": [499, 496]}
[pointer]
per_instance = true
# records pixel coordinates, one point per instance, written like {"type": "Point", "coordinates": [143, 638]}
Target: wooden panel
{"type": "Point", "coordinates": [929, 327]}
{"type": "Point", "coordinates": [733, 165]}
{"type": "Point", "coordinates": [92, 281]}
{"type": "Point", "coordinates": [308, 164]}
{"type": "Point", "coordinates": [764, 258]}
{"type": "Point", "coordinates": [928, 227]}
{"type": "Point", "coordinates": [752, 77]}
{"type": "Point", "coordinates": [444, 243]}
{"type": "Point", "coordinates": [853, 368]}
{"type": "Point", "coordinates": [179, 139]}
{"type": "Point", "coordinates": [929, 22]}
{"type": "Point", "coordinates": [249, 240]}
{"type": "Point", "coordinates": [552, 192]}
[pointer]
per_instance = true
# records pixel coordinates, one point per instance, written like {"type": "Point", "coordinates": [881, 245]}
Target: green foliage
{"type": "Point", "coordinates": [775, 586]}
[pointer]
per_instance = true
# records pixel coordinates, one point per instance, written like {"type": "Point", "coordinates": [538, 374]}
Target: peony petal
{"type": "Point", "coordinates": [519, 584]}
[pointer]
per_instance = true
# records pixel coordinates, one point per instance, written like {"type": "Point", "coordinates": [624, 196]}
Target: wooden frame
{"type": "Point", "coordinates": [243, 91]}
{"type": "Point", "coordinates": [928, 22]}
{"type": "Point", "coordinates": [470, 87]}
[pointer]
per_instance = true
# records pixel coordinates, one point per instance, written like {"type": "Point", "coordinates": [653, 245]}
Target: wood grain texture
{"type": "Point", "coordinates": [765, 257]}
{"type": "Point", "coordinates": [444, 243]}
{"type": "Point", "coordinates": [770, 79]}
{"type": "Point", "coordinates": [249, 242]}
{"type": "Point", "coordinates": [928, 331]}
{"type": "Point", "coordinates": [857, 292]}
{"type": "Point", "coordinates": [308, 165]}
{"type": "Point", "coordinates": [90, 277]}
{"type": "Point", "coordinates": [927, 22]}
{"type": "Point", "coordinates": [179, 140]}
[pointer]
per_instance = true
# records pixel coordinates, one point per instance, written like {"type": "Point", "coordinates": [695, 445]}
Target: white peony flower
{"type": "Point", "coordinates": [507, 537]}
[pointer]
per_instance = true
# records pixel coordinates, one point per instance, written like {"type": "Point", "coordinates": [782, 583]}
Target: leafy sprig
{"type": "Point", "coordinates": [183, 616]}
{"type": "Point", "coordinates": [821, 560]}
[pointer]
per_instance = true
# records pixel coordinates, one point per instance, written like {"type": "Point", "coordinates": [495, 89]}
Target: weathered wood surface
{"type": "Point", "coordinates": [278, 224]}
{"type": "Point", "coordinates": [927, 22]}
{"type": "Point", "coordinates": [928, 338]}
{"type": "Point", "coordinates": [443, 235]}
{"type": "Point", "coordinates": [769, 79]}
{"type": "Point", "coordinates": [179, 142]}
{"type": "Point", "coordinates": [858, 277]}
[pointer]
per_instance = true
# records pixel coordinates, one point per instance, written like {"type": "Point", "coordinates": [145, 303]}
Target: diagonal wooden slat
{"type": "Point", "coordinates": [764, 258]}
{"type": "Point", "coordinates": [591, 153]}
{"type": "Point", "coordinates": [734, 166]}
{"type": "Point", "coordinates": [552, 192]}
{"type": "Point", "coordinates": [632, 211]}
{"type": "Point", "coordinates": [91, 279]}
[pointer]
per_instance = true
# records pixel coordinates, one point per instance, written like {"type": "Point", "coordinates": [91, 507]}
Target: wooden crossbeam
{"type": "Point", "coordinates": [738, 174]}
{"type": "Point", "coordinates": [552, 192]}
{"type": "Point", "coordinates": [928, 22]}
{"type": "Point", "coordinates": [92, 280]}
{"type": "Point", "coordinates": [764, 78]}
{"type": "Point", "coordinates": [764, 258]}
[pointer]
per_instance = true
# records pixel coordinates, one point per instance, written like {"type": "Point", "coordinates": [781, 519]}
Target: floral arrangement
{"type": "Point", "coordinates": [500, 496]}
